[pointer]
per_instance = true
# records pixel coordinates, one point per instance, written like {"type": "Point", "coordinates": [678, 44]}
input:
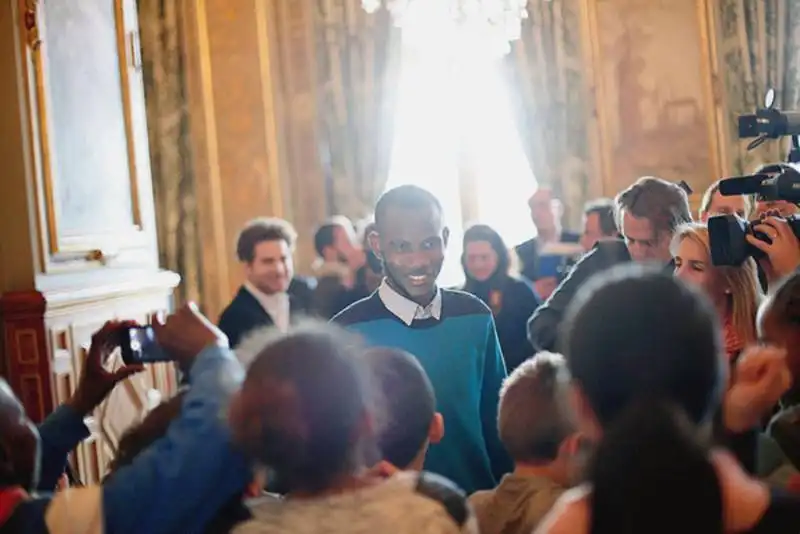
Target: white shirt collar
{"type": "Point", "coordinates": [276, 305]}
{"type": "Point", "coordinates": [407, 310]}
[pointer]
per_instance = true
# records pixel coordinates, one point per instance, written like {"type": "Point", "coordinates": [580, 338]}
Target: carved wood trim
{"type": "Point", "coordinates": [30, 22]}
{"type": "Point", "coordinates": [24, 351]}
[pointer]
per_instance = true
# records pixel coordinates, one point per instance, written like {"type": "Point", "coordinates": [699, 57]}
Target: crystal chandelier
{"type": "Point", "coordinates": [490, 24]}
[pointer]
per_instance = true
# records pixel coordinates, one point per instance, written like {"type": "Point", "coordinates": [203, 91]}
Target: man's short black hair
{"type": "Point", "coordinates": [406, 197]}
{"type": "Point", "coordinates": [604, 208]}
{"type": "Point", "coordinates": [326, 233]}
{"type": "Point", "coordinates": [408, 406]}
{"type": "Point", "coordinates": [263, 229]}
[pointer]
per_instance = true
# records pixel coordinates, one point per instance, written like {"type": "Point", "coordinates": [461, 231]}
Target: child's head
{"type": "Point", "coordinates": [305, 408]}
{"type": "Point", "coordinates": [410, 422]}
{"type": "Point", "coordinates": [535, 417]}
{"type": "Point", "coordinates": [20, 450]}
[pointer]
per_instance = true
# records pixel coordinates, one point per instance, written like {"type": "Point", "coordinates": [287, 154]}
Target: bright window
{"type": "Point", "coordinates": [448, 107]}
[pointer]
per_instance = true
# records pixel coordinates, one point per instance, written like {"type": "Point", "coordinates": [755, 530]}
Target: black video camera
{"type": "Point", "coordinates": [728, 244]}
{"type": "Point", "coordinates": [727, 232]}
{"type": "Point", "coordinates": [773, 182]}
{"type": "Point", "coordinates": [769, 123]}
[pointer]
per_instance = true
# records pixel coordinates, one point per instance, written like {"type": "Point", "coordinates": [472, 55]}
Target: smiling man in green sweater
{"type": "Point", "coordinates": [451, 333]}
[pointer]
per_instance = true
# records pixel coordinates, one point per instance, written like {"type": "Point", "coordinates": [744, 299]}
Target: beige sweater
{"type": "Point", "coordinates": [517, 505]}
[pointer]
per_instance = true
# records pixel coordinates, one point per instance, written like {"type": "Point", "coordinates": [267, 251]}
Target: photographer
{"type": "Point", "coordinates": [782, 253]}
{"type": "Point", "coordinates": [194, 461]}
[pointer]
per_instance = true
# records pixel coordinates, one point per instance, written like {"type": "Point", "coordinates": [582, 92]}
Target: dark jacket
{"type": "Point", "coordinates": [245, 314]}
{"type": "Point", "coordinates": [544, 323]}
{"type": "Point", "coordinates": [512, 302]}
{"type": "Point", "coordinates": [529, 255]}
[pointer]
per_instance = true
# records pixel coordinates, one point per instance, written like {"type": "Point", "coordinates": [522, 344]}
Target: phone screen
{"type": "Point", "coordinates": [139, 345]}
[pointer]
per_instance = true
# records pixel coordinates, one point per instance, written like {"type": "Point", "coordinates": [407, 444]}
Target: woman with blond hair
{"type": "Point", "coordinates": [734, 291]}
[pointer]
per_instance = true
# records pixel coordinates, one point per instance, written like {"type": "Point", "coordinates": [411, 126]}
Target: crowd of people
{"type": "Point", "coordinates": [614, 380]}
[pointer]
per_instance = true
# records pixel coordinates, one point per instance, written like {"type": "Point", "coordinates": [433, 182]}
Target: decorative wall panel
{"type": "Point", "coordinates": [654, 90]}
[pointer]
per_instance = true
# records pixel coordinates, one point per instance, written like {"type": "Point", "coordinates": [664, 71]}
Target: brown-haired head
{"type": "Point", "coordinates": [713, 203]}
{"type": "Point", "coordinates": [265, 247]}
{"type": "Point", "coordinates": [648, 213]}
{"type": "Point", "coordinates": [304, 410]}
{"type": "Point", "coordinates": [535, 417]}
{"type": "Point", "coordinates": [260, 230]}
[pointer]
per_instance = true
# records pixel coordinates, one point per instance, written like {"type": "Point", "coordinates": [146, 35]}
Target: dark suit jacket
{"type": "Point", "coordinates": [245, 314]}
{"type": "Point", "coordinates": [544, 324]}
{"type": "Point", "coordinates": [528, 254]}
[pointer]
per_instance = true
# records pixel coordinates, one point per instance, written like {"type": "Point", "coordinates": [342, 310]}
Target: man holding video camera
{"type": "Point", "coordinates": [772, 237]}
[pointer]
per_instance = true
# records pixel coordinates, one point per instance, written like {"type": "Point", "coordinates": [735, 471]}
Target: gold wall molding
{"type": "Point", "coordinates": [245, 142]}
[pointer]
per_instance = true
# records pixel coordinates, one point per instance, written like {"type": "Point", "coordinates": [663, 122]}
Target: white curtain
{"type": "Point", "coordinates": [452, 103]}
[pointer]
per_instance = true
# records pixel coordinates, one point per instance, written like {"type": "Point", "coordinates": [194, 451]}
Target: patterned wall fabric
{"type": "Point", "coordinates": [358, 60]}
{"type": "Point", "coordinates": [546, 74]}
{"type": "Point", "coordinates": [758, 48]}
{"type": "Point", "coordinates": [170, 149]}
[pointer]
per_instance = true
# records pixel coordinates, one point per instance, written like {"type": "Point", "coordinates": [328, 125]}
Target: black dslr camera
{"type": "Point", "coordinates": [774, 182]}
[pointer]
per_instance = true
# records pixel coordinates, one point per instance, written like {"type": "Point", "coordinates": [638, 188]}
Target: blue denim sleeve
{"type": "Point", "coordinates": [60, 433]}
{"type": "Point", "coordinates": [179, 483]}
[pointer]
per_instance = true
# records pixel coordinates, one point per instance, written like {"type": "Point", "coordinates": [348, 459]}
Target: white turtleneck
{"type": "Point", "coordinates": [275, 304]}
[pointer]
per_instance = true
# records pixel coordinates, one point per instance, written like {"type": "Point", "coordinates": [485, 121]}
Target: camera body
{"type": "Point", "coordinates": [729, 246]}
{"type": "Point", "coordinates": [781, 181]}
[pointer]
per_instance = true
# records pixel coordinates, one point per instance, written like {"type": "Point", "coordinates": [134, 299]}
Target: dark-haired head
{"type": "Point", "coordinates": [410, 239]}
{"type": "Point", "coordinates": [409, 418]}
{"type": "Point", "coordinates": [304, 410]}
{"type": "Point", "coordinates": [599, 222]}
{"type": "Point", "coordinates": [334, 240]}
{"type": "Point", "coordinates": [779, 320]}
{"type": "Point", "coordinates": [485, 254]}
{"type": "Point", "coordinates": [634, 332]}
{"type": "Point", "coordinates": [638, 340]}
{"type": "Point", "coordinates": [651, 463]}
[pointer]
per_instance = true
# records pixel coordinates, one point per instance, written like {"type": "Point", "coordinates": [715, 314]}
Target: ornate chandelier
{"type": "Point", "coordinates": [491, 24]}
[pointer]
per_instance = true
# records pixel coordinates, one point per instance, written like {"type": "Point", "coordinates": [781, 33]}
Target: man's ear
{"type": "Point", "coordinates": [436, 430]}
{"type": "Point", "coordinates": [375, 243]}
{"type": "Point", "coordinates": [445, 235]}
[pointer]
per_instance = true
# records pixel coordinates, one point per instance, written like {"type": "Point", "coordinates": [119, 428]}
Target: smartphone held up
{"type": "Point", "coordinates": [138, 345]}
